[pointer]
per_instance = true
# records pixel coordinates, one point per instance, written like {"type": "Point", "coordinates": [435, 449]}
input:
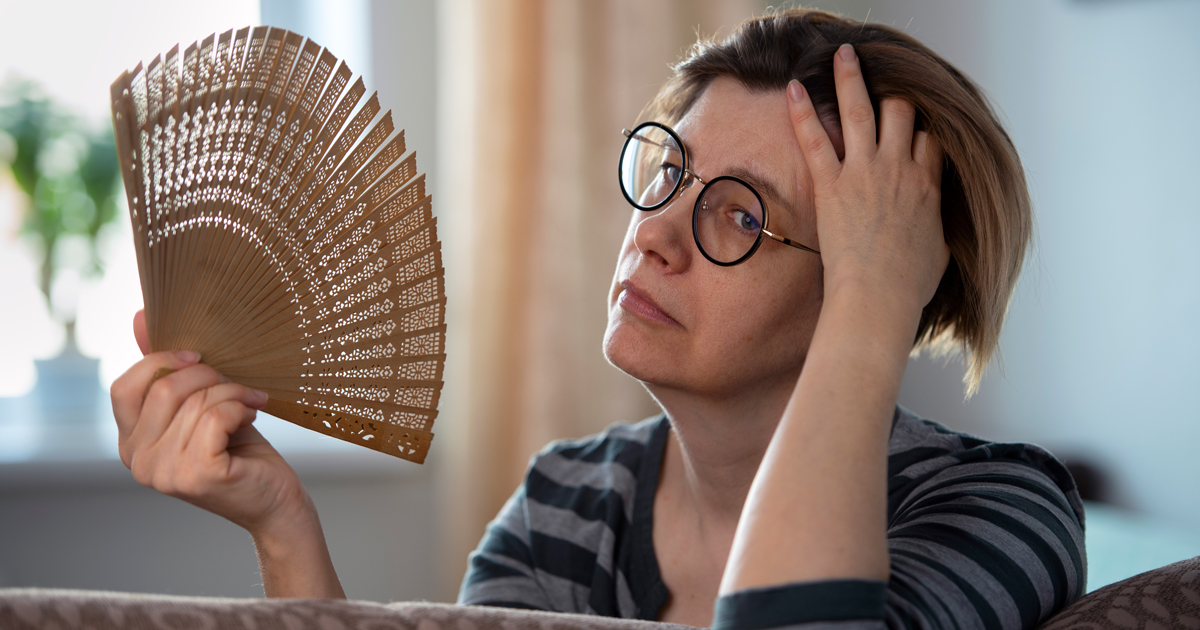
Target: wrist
{"type": "Point", "coordinates": [279, 534]}
{"type": "Point", "coordinates": [867, 322]}
{"type": "Point", "coordinates": [294, 560]}
{"type": "Point", "coordinates": [875, 292]}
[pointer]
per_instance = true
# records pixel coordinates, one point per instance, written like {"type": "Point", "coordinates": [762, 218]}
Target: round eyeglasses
{"type": "Point", "coordinates": [729, 219]}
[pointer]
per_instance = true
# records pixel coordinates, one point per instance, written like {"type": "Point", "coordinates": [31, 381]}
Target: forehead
{"type": "Point", "coordinates": [731, 130]}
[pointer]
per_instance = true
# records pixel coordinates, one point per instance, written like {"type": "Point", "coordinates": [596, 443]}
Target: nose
{"type": "Point", "coordinates": [664, 236]}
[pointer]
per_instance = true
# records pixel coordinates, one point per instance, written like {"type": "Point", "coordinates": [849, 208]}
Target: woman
{"type": "Point", "coordinates": [815, 195]}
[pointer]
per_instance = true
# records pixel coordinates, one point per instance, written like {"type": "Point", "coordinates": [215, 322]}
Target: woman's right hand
{"type": "Point", "coordinates": [188, 434]}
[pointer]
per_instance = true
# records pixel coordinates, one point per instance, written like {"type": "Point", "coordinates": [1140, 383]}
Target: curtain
{"type": "Point", "coordinates": [532, 97]}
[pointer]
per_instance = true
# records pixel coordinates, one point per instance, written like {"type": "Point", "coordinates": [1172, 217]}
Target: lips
{"type": "Point", "coordinates": [637, 302]}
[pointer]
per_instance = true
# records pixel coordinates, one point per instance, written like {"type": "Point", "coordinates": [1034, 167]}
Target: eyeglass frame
{"type": "Point", "coordinates": [685, 180]}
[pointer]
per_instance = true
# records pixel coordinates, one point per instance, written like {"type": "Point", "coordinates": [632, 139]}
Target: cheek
{"type": "Point", "coordinates": [797, 310]}
{"type": "Point", "coordinates": [775, 327]}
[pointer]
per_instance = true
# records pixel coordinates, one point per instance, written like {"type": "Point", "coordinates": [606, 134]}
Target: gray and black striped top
{"type": "Point", "coordinates": [981, 535]}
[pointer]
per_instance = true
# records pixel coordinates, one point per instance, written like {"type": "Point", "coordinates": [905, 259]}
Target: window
{"type": "Point", "coordinates": [66, 413]}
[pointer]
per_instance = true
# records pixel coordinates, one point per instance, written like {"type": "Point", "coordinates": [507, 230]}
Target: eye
{"type": "Point", "coordinates": [745, 220]}
{"type": "Point", "coordinates": [670, 171]}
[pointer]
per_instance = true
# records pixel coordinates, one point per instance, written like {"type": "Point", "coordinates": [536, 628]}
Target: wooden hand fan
{"type": "Point", "coordinates": [281, 235]}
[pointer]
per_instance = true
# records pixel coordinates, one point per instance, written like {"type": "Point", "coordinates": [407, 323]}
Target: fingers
{"type": "Point", "coordinates": [193, 416]}
{"type": "Point", "coordinates": [246, 436]}
{"type": "Point", "coordinates": [129, 391]}
{"type": "Point", "coordinates": [896, 119]}
{"type": "Point", "coordinates": [854, 104]}
{"type": "Point", "coordinates": [220, 422]}
{"type": "Point", "coordinates": [819, 154]}
{"type": "Point", "coordinates": [927, 152]}
{"type": "Point", "coordinates": [196, 431]}
{"type": "Point", "coordinates": [164, 400]}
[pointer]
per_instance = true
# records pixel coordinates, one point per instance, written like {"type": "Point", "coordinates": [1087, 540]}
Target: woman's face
{"type": "Point", "coordinates": [678, 321]}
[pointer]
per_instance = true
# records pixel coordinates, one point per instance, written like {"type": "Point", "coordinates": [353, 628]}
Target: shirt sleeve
{"type": "Point", "coordinates": [994, 541]}
{"type": "Point", "coordinates": [500, 571]}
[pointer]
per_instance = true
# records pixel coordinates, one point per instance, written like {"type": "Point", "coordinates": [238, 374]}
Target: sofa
{"type": "Point", "coordinates": [1168, 597]}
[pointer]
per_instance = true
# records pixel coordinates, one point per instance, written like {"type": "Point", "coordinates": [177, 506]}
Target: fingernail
{"type": "Point", "coordinates": [847, 52]}
{"type": "Point", "coordinates": [261, 395]}
{"type": "Point", "coordinates": [795, 90]}
{"type": "Point", "coordinates": [188, 356]}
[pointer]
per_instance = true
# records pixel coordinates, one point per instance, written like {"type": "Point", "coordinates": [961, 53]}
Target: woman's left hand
{"type": "Point", "coordinates": [820, 493]}
{"type": "Point", "coordinates": [878, 210]}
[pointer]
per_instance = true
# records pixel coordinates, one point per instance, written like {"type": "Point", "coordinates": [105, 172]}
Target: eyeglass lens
{"type": "Point", "coordinates": [728, 217]}
{"type": "Point", "coordinates": [727, 220]}
{"type": "Point", "coordinates": [651, 166]}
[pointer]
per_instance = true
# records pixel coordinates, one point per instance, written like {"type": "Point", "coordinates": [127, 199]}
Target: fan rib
{"type": "Point", "coordinates": [238, 111]}
{"type": "Point", "coordinates": [304, 268]}
{"type": "Point", "coordinates": [352, 163]}
{"type": "Point", "coordinates": [247, 207]}
{"type": "Point", "coordinates": [282, 232]}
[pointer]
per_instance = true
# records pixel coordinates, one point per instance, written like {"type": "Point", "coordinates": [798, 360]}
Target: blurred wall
{"type": "Point", "coordinates": [1099, 354]}
{"type": "Point", "coordinates": [87, 524]}
{"type": "Point", "coordinates": [91, 526]}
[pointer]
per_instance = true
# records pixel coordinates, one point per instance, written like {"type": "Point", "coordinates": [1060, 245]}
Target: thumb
{"type": "Point", "coordinates": [139, 331]}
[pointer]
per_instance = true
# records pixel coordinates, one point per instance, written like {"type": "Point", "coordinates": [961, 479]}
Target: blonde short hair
{"type": "Point", "coordinates": [986, 213]}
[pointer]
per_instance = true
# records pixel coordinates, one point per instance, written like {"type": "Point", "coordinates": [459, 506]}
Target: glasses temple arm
{"type": "Point", "coordinates": [638, 136]}
{"type": "Point", "coordinates": [787, 241]}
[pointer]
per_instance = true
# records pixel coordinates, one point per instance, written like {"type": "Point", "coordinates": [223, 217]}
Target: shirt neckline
{"type": "Point", "coordinates": [644, 577]}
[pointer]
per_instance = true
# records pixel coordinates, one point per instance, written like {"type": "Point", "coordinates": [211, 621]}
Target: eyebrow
{"type": "Point", "coordinates": [763, 185]}
{"type": "Point", "coordinates": [758, 183]}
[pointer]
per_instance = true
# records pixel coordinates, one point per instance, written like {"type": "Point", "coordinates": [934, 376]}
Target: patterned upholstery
{"type": "Point", "coordinates": [1168, 597]}
{"type": "Point", "coordinates": [44, 609]}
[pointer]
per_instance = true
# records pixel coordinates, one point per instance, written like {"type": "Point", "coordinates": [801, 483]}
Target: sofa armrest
{"type": "Point", "coordinates": [1167, 597]}
{"type": "Point", "coordinates": [22, 609]}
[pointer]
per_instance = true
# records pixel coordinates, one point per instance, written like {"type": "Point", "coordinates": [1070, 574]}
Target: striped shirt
{"type": "Point", "coordinates": [980, 535]}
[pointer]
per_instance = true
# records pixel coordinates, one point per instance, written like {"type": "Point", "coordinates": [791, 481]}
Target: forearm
{"type": "Point", "coordinates": [294, 560]}
{"type": "Point", "coordinates": [820, 492]}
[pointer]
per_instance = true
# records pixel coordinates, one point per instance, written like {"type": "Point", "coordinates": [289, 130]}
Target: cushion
{"type": "Point", "coordinates": [1168, 597]}
{"type": "Point", "coordinates": [22, 609]}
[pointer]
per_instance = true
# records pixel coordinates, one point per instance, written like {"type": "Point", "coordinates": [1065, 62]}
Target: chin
{"type": "Point", "coordinates": [658, 361]}
{"type": "Point", "coordinates": [643, 352]}
{"type": "Point", "coordinates": [629, 348]}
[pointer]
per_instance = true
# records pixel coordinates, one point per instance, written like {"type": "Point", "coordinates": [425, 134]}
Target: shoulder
{"type": "Point", "coordinates": [998, 527]}
{"type": "Point", "coordinates": [554, 544]}
{"type": "Point", "coordinates": [581, 474]}
{"type": "Point", "coordinates": [922, 450]}
{"type": "Point", "coordinates": [620, 439]}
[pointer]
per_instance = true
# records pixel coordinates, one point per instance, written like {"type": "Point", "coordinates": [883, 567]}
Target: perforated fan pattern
{"type": "Point", "coordinates": [282, 233]}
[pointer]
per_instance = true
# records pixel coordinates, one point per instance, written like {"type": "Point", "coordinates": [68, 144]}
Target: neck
{"type": "Point", "coordinates": [717, 444]}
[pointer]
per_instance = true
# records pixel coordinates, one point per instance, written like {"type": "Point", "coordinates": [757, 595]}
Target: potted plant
{"type": "Point", "coordinates": [69, 177]}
